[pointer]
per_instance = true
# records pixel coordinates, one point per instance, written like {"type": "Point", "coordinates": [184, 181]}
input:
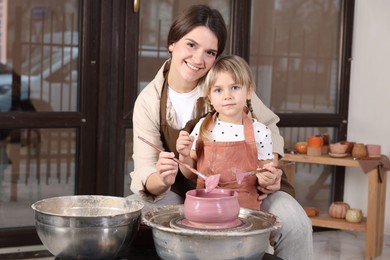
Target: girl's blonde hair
{"type": "Point", "coordinates": [240, 72]}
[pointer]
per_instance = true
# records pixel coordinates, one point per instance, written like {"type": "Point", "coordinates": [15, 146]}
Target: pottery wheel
{"type": "Point", "coordinates": [240, 224]}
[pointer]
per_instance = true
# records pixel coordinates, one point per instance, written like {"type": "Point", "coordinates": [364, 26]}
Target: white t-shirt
{"type": "Point", "coordinates": [184, 104]}
{"type": "Point", "coordinates": [228, 132]}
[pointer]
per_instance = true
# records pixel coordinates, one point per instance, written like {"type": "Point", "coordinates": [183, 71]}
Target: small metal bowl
{"type": "Point", "coordinates": [87, 227]}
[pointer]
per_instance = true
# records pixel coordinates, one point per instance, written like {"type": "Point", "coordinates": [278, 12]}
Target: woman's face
{"type": "Point", "coordinates": [192, 57]}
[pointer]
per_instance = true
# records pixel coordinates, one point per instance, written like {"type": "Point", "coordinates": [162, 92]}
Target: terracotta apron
{"type": "Point", "coordinates": [169, 136]}
{"type": "Point", "coordinates": [221, 157]}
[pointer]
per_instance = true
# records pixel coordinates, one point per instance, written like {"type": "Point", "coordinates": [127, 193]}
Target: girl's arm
{"type": "Point", "coordinates": [183, 147]}
{"type": "Point", "coordinates": [271, 175]}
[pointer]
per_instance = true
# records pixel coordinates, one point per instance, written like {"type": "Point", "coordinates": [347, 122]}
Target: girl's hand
{"type": "Point", "coordinates": [184, 143]}
{"type": "Point", "coordinates": [271, 188]}
{"type": "Point", "coordinates": [269, 181]}
{"type": "Point", "coordinates": [266, 175]}
{"type": "Point", "coordinates": [167, 168]}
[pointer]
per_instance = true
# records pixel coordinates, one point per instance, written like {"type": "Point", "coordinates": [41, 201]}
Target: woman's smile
{"type": "Point", "coordinates": [192, 67]}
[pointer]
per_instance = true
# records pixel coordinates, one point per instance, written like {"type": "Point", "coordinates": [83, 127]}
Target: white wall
{"type": "Point", "coordinates": [369, 107]}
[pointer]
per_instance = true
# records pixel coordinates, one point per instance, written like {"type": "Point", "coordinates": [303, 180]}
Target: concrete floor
{"type": "Point", "coordinates": [328, 245]}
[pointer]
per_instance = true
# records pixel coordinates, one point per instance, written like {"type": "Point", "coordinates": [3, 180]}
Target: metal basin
{"type": "Point", "coordinates": [87, 227]}
{"type": "Point", "coordinates": [191, 243]}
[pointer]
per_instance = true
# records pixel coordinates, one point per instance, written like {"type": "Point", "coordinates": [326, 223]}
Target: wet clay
{"type": "Point", "coordinates": [212, 182]}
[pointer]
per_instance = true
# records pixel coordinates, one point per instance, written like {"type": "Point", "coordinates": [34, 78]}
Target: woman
{"type": "Point", "coordinates": [196, 38]}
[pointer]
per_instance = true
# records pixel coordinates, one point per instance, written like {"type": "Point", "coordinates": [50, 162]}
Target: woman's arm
{"type": "Point", "coordinates": [264, 115]}
{"type": "Point", "coordinates": [147, 161]}
{"type": "Point", "coordinates": [166, 170]}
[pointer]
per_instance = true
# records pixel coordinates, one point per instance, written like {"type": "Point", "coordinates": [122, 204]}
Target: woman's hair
{"type": "Point", "coordinates": [199, 15]}
{"type": "Point", "coordinates": [241, 74]}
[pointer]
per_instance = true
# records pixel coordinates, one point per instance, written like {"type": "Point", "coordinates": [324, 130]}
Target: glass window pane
{"type": "Point", "coordinates": [312, 182]}
{"type": "Point", "coordinates": [34, 164]}
{"type": "Point", "coordinates": [39, 52]}
{"type": "Point", "coordinates": [294, 54]}
{"type": "Point", "coordinates": [313, 185]}
{"type": "Point", "coordinates": [292, 135]}
{"type": "Point", "coordinates": [155, 20]}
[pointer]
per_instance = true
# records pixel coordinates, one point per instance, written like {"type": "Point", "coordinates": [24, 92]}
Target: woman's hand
{"type": "Point", "coordinates": [167, 168]}
{"type": "Point", "coordinates": [184, 143]}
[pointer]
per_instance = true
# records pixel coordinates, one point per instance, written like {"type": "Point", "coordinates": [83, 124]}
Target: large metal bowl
{"type": "Point", "coordinates": [87, 227]}
{"type": "Point", "coordinates": [190, 243]}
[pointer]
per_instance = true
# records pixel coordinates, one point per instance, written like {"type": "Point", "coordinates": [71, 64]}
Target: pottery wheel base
{"type": "Point", "coordinates": [239, 224]}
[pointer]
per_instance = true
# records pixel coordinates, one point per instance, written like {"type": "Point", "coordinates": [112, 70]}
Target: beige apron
{"type": "Point", "coordinates": [222, 157]}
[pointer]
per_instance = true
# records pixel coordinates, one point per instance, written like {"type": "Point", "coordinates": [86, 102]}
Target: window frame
{"type": "Point", "coordinates": [339, 120]}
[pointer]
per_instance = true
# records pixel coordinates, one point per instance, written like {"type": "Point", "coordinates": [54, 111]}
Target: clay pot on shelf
{"type": "Point", "coordinates": [315, 141]}
{"type": "Point", "coordinates": [354, 215]}
{"type": "Point", "coordinates": [338, 148]}
{"type": "Point", "coordinates": [373, 150]}
{"type": "Point", "coordinates": [314, 151]}
{"type": "Point", "coordinates": [350, 146]}
{"type": "Point", "coordinates": [338, 209]}
{"type": "Point", "coordinates": [359, 150]}
{"type": "Point", "coordinates": [314, 145]}
{"type": "Point", "coordinates": [325, 145]}
{"type": "Point", "coordinates": [311, 211]}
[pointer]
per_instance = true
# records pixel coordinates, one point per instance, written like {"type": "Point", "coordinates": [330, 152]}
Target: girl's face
{"type": "Point", "coordinates": [192, 57]}
{"type": "Point", "coordinates": [229, 98]}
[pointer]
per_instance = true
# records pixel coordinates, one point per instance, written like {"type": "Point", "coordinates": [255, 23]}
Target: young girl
{"type": "Point", "coordinates": [227, 140]}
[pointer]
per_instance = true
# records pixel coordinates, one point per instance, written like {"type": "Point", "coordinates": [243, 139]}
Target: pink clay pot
{"type": "Point", "coordinates": [217, 206]}
{"type": "Point", "coordinates": [338, 148]}
{"type": "Point", "coordinates": [338, 209]}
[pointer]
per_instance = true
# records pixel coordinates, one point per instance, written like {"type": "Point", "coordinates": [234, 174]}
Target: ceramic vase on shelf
{"type": "Point", "coordinates": [359, 150]}
{"type": "Point", "coordinates": [338, 209]}
{"type": "Point", "coordinates": [314, 145]}
{"type": "Point", "coordinates": [373, 150]}
{"type": "Point", "coordinates": [325, 146]}
{"type": "Point", "coordinates": [354, 215]}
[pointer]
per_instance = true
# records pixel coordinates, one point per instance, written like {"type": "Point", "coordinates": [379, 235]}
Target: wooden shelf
{"type": "Point", "coordinates": [323, 159]}
{"type": "Point", "coordinates": [373, 225]}
{"type": "Point", "coordinates": [324, 220]}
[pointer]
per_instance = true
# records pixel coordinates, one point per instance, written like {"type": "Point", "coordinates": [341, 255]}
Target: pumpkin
{"type": "Point", "coordinates": [338, 209]}
{"type": "Point", "coordinates": [301, 147]}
